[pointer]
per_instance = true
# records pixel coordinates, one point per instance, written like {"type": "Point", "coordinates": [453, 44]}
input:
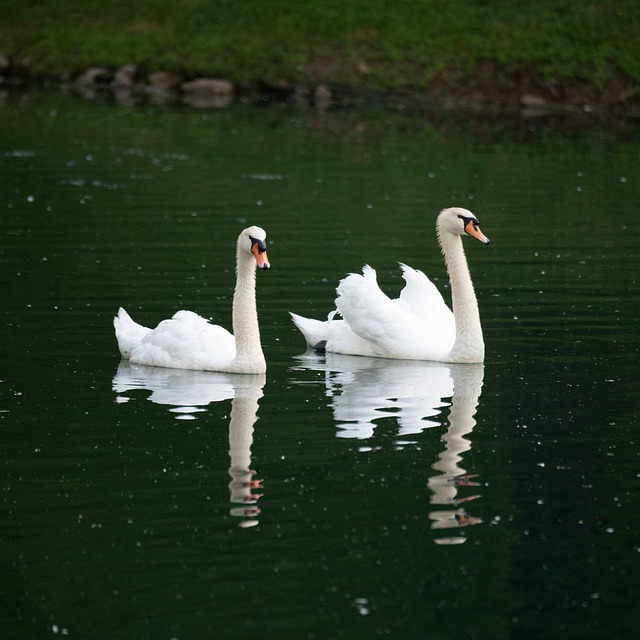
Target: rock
{"type": "Point", "coordinates": [91, 77]}
{"type": "Point", "coordinates": [208, 86]}
{"type": "Point", "coordinates": [163, 81]}
{"type": "Point", "coordinates": [5, 63]}
{"type": "Point", "coordinates": [125, 76]}
{"type": "Point", "coordinates": [322, 97]}
{"type": "Point", "coordinates": [531, 100]}
{"type": "Point", "coordinates": [534, 106]}
{"type": "Point", "coordinates": [207, 93]}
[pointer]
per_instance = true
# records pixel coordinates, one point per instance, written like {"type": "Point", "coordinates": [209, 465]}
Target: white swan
{"type": "Point", "coordinates": [188, 341]}
{"type": "Point", "coordinates": [416, 326]}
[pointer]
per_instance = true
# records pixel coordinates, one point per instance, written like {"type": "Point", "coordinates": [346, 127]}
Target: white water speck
{"type": "Point", "coordinates": [361, 605]}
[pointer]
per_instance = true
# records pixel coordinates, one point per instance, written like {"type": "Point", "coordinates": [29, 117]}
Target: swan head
{"type": "Point", "coordinates": [460, 222]}
{"type": "Point", "coordinates": [253, 241]}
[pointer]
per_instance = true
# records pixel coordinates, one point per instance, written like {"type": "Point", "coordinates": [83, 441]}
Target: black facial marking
{"type": "Point", "coordinates": [466, 220]}
{"type": "Point", "coordinates": [262, 247]}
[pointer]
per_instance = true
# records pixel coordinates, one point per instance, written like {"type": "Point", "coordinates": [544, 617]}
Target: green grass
{"type": "Point", "coordinates": [379, 44]}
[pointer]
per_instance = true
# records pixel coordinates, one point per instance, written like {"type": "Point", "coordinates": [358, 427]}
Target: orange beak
{"type": "Point", "coordinates": [261, 257]}
{"type": "Point", "coordinates": [474, 230]}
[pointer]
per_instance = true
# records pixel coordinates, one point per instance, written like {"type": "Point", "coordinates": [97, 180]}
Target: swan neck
{"type": "Point", "coordinates": [469, 342]}
{"type": "Point", "coordinates": [245, 312]}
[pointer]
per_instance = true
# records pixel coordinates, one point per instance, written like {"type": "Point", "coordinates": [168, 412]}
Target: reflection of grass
{"type": "Point", "coordinates": [377, 43]}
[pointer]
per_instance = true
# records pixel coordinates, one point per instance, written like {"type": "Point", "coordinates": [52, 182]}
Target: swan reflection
{"type": "Point", "coordinates": [363, 390]}
{"type": "Point", "coordinates": [187, 392]}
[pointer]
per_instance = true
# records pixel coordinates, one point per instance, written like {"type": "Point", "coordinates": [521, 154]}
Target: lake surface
{"type": "Point", "coordinates": [334, 497]}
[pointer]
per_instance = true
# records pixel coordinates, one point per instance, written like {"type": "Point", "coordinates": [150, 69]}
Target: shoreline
{"type": "Point", "coordinates": [481, 94]}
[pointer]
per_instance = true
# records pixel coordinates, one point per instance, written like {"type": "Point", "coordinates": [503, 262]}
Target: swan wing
{"type": "Point", "coordinates": [394, 329]}
{"type": "Point", "coordinates": [422, 298]}
{"type": "Point", "coordinates": [186, 341]}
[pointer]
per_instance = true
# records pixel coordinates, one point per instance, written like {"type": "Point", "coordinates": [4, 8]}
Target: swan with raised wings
{"type": "Point", "coordinates": [188, 341]}
{"type": "Point", "coordinates": [416, 326]}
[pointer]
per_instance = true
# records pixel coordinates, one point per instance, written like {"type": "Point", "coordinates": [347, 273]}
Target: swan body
{"type": "Point", "coordinates": [416, 326]}
{"type": "Point", "coordinates": [188, 341]}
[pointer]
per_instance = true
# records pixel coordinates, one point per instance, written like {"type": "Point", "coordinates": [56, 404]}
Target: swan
{"type": "Point", "coordinates": [416, 326]}
{"type": "Point", "coordinates": [188, 341]}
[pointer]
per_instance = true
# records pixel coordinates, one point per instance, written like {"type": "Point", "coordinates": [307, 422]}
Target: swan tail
{"type": "Point", "coordinates": [129, 334]}
{"type": "Point", "coordinates": [315, 332]}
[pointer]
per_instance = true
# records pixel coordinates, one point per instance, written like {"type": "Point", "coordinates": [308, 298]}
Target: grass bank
{"type": "Point", "coordinates": [493, 48]}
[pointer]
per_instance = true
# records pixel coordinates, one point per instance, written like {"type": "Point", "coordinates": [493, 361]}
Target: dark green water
{"type": "Point", "coordinates": [397, 500]}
